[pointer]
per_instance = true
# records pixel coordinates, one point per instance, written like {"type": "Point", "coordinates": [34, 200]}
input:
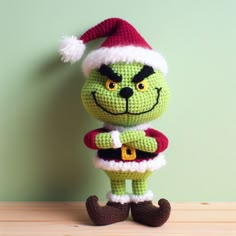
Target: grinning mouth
{"type": "Point", "coordinates": [127, 105]}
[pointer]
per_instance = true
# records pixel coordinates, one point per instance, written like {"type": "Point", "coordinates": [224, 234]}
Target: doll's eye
{"type": "Point", "coordinates": [142, 86]}
{"type": "Point", "coordinates": [111, 85]}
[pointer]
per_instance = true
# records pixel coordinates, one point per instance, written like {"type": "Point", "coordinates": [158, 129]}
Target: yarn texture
{"type": "Point", "coordinates": [125, 88]}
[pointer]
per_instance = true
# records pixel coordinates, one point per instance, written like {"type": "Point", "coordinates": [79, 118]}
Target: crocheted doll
{"type": "Point", "coordinates": [126, 90]}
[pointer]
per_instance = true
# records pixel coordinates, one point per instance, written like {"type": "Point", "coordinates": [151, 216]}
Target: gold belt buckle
{"type": "Point", "coordinates": [128, 153]}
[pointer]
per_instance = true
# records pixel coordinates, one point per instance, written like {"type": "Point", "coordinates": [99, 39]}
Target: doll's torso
{"type": "Point", "coordinates": [126, 158]}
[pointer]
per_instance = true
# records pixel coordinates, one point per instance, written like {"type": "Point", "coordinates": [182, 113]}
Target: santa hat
{"type": "Point", "coordinates": [123, 44]}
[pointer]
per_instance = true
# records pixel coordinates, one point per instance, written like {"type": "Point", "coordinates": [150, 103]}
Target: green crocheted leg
{"type": "Point", "coordinates": [139, 187]}
{"type": "Point", "coordinates": [118, 193]}
{"type": "Point", "coordinates": [140, 193]}
{"type": "Point", "coordinates": [118, 187]}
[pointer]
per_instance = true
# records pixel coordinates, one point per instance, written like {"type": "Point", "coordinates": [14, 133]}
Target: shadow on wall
{"type": "Point", "coordinates": [64, 160]}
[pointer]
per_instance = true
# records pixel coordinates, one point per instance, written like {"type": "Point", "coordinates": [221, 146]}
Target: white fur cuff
{"type": "Point", "coordinates": [115, 135]}
{"type": "Point", "coordinates": [148, 196]}
{"type": "Point", "coordinates": [118, 198]}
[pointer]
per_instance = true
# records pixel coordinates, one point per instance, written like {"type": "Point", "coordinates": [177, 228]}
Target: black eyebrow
{"type": "Point", "coordinates": [143, 73]}
{"type": "Point", "coordinates": [107, 71]}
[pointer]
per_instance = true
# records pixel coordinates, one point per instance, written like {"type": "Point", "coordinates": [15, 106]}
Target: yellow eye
{"type": "Point", "coordinates": [111, 85]}
{"type": "Point", "coordinates": [142, 86]}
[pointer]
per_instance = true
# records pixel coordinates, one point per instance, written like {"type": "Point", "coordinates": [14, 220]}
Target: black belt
{"type": "Point", "coordinates": [125, 153]}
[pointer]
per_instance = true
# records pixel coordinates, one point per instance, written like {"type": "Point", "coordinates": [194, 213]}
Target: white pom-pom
{"type": "Point", "coordinates": [71, 49]}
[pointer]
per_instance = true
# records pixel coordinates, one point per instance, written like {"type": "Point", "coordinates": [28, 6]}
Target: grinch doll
{"type": "Point", "coordinates": [125, 89]}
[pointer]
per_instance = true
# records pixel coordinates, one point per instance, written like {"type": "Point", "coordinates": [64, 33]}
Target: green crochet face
{"type": "Point", "coordinates": [125, 94]}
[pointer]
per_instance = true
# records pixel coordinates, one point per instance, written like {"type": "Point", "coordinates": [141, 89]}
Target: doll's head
{"type": "Point", "coordinates": [125, 82]}
{"type": "Point", "coordinates": [125, 94]}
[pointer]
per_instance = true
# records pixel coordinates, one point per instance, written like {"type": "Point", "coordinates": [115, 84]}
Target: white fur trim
{"type": "Point", "coordinates": [127, 54]}
{"type": "Point", "coordinates": [71, 49]}
{"type": "Point", "coordinates": [118, 198]}
{"type": "Point", "coordinates": [132, 166]}
{"type": "Point", "coordinates": [115, 135]}
{"type": "Point", "coordinates": [125, 128]}
{"type": "Point", "coordinates": [148, 196]}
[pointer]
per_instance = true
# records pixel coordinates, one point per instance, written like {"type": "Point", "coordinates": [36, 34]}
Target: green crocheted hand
{"type": "Point", "coordinates": [131, 136]}
{"type": "Point", "coordinates": [147, 144]}
{"type": "Point", "coordinates": [105, 140]}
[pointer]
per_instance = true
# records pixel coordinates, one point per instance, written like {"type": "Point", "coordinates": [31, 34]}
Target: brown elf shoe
{"type": "Point", "coordinates": [111, 213]}
{"type": "Point", "coordinates": [148, 214]}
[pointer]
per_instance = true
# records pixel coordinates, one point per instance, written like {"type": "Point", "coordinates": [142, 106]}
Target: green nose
{"type": "Point", "coordinates": [126, 92]}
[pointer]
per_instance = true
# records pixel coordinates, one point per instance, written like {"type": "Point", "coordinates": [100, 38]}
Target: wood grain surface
{"type": "Point", "coordinates": [71, 219]}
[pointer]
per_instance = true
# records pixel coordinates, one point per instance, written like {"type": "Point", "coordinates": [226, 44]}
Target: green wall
{"type": "Point", "coordinates": [42, 122]}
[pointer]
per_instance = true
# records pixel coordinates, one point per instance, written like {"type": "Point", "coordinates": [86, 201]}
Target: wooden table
{"type": "Point", "coordinates": [70, 219]}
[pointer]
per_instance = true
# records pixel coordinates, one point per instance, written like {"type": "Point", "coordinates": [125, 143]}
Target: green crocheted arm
{"type": "Point", "coordinates": [146, 144]}
{"type": "Point", "coordinates": [131, 135]}
{"type": "Point", "coordinates": [115, 139]}
{"type": "Point", "coordinates": [104, 141]}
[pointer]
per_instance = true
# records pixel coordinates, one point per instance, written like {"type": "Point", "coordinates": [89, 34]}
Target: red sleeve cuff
{"type": "Point", "coordinates": [89, 138]}
{"type": "Point", "coordinates": [161, 139]}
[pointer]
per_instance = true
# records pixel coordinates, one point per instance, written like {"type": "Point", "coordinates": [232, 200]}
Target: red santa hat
{"type": "Point", "coordinates": [123, 44]}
